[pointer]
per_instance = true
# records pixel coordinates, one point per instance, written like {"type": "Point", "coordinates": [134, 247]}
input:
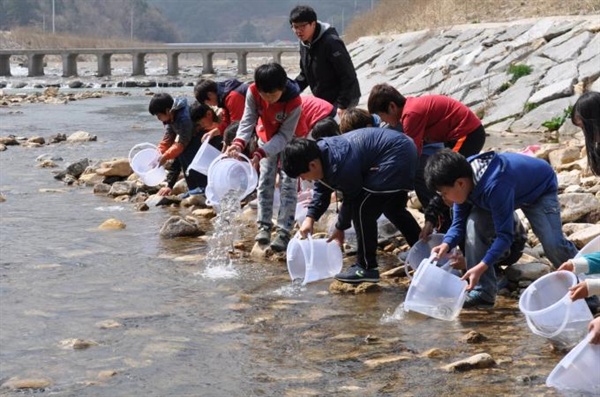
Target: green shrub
{"type": "Point", "coordinates": [556, 122]}
{"type": "Point", "coordinates": [529, 106]}
{"type": "Point", "coordinates": [519, 71]}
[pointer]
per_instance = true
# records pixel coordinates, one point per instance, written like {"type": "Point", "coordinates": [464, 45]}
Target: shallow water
{"type": "Point", "coordinates": [184, 328]}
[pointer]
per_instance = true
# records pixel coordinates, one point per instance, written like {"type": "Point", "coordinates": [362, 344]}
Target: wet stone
{"type": "Point", "coordinates": [474, 337]}
{"type": "Point", "coordinates": [27, 383]}
{"type": "Point", "coordinates": [337, 287]}
{"type": "Point", "coordinates": [112, 224]}
{"type": "Point", "coordinates": [478, 361]}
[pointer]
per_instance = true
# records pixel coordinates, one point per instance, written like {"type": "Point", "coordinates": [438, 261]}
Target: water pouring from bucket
{"type": "Point", "coordinates": [551, 313]}
{"type": "Point", "coordinates": [145, 163]}
{"type": "Point", "coordinates": [229, 176]}
{"type": "Point", "coordinates": [435, 292]}
{"type": "Point", "coordinates": [313, 259]}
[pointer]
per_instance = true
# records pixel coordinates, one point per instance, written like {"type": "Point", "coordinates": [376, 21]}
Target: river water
{"type": "Point", "coordinates": [164, 326]}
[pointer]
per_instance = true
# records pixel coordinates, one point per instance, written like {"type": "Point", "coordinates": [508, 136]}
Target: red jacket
{"type": "Point", "coordinates": [436, 118]}
{"type": "Point", "coordinates": [233, 106]}
{"type": "Point", "coordinates": [313, 109]}
{"type": "Point", "coordinates": [279, 120]}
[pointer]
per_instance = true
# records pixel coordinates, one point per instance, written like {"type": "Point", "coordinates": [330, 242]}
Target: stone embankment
{"type": "Point", "coordinates": [515, 75]}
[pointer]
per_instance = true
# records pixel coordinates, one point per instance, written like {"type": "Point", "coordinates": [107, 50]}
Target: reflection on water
{"type": "Point", "coordinates": [168, 326]}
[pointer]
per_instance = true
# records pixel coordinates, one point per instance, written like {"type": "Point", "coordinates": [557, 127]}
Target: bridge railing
{"type": "Point", "coordinates": [35, 64]}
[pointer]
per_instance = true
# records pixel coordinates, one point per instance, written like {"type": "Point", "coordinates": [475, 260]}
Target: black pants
{"type": "Point", "coordinates": [470, 144]}
{"type": "Point", "coordinates": [366, 211]}
{"type": "Point", "coordinates": [195, 179]}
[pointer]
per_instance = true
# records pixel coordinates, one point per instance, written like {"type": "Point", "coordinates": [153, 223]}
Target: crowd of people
{"type": "Point", "coordinates": [368, 160]}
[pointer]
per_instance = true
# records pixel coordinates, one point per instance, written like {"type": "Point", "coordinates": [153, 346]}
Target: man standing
{"type": "Point", "coordinates": [325, 64]}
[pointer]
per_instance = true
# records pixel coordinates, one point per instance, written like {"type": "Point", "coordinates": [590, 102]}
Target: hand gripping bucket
{"type": "Point", "coordinates": [578, 370]}
{"type": "Point", "coordinates": [435, 292]}
{"type": "Point", "coordinates": [422, 250]}
{"type": "Point", "coordinates": [551, 313]}
{"type": "Point", "coordinates": [204, 156]}
{"type": "Point", "coordinates": [313, 259]}
{"type": "Point", "coordinates": [226, 175]}
{"type": "Point", "coordinates": [145, 164]}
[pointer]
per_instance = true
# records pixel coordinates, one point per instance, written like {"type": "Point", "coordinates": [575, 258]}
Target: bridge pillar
{"type": "Point", "coordinates": [242, 62]}
{"type": "Point", "coordinates": [277, 57]}
{"type": "Point", "coordinates": [5, 65]}
{"type": "Point", "coordinates": [207, 63]}
{"type": "Point", "coordinates": [36, 65]}
{"type": "Point", "coordinates": [104, 64]}
{"type": "Point", "coordinates": [138, 68]}
{"type": "Point", "coordinates": [69, 61]}
{"type": "Point", "coordinates": [173, 64]}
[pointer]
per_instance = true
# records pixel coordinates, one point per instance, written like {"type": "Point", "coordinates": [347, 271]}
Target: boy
{"type": "Point", "coordinates": [374, 169]}
{"type": "Point", "coordinates": [179, 143]}
{"type": "Point", "coordinates": [430, 119]}
{"type": "Point", "coordinates": [324, 128]}
{"type": "Point", "coordinates": [275, 100]}
{"type": "Point", "coordinates": [486, 189]}
{"type": "Point", "coordinates": [228, 95]}
{"type": "Point", "coordinates": [325, 64]}
{"type": "Point", "coordinates": [313, 110]}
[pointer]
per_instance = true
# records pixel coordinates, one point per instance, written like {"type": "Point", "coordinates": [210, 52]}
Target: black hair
{"type": "Point", "coordinates": [324, 128]}
{"type": "Point", "coordinates": [198, 110]}
{"type": "Point", "coordinates": [202, 88]}
{"type": "Point", "coordinates": [381, 96]}
{"type": "Point", "coordinates": [302, 14]}
{"type": "Point", "coordinates": [160, 103]}
{"type": "Point", "coordinates": [297, 154]}
{"type": "Point", "coordinates": [587, 109]}
{"type": "Point", "coordinates": [444, 167]}
{"type": "Point", "coordinates": [270, 77]}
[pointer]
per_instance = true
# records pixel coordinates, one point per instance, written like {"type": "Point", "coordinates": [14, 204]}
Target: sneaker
{"type": "Point", "coordinates": [357, 274]}
{"type": "Point", "coordinates": [263, 236]}
{"type": "Point", "coordinates": [193, 192]}
{"type": "Point", "coordinates": [475, 299]}
{"type": "Point", "coordinates": [281, 242]}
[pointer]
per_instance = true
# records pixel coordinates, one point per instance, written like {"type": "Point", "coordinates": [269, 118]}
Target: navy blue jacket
{"type": "Point", "coordinates": [376, 160]}
{"type": "Point", "coordinates": [510, 181]}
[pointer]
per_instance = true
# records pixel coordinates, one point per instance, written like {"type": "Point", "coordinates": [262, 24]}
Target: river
{"type": "Point", "coordinates": [162, 326]}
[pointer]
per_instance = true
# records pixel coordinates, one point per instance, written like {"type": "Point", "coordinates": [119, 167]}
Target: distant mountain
{"type": "Point", "coordinates": [250, 20]}
{"type": "Point", "coordinates": [174, 20]}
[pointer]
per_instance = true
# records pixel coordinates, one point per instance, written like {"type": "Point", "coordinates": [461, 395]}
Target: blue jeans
{"type": "Point", "coordinates": [269, 167]}
{"type": "Point", "coordinates": [544, 217]}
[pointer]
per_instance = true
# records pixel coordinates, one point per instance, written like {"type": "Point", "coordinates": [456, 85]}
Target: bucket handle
{"type": "Point", "coordinates": [424, 263]}
{"type": "Point", "coordinates": [140, 145]}
{"type": "Point", "coordinates": [560, 329]}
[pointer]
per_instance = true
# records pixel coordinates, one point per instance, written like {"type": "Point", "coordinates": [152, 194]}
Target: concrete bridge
{"type": "Point", "coordinates": [35, 62]}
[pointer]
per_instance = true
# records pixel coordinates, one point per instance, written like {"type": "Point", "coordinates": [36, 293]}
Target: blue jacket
{"type": "Point", "coordinates": [510, 181]}
{"type": "Point", "coordinates": [376, 160]}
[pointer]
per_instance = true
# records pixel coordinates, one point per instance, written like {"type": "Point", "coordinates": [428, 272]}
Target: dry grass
{"type": "Point", "coordinates": [33, 39]}
{"type": "Point", "coordinates": [397, 16]}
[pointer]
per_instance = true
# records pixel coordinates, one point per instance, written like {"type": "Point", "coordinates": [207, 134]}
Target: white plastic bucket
{"type": "Point", "coordinates": [578, 370]}
{"type": "Point", "coordinates": [145, 164]}
{"type": "Point", "coordinates": [204, 156]}
{"type": "Point", "coordinates": [435, 292]}
{"type": "Point", "coordinates": [313, 259]}
{"type": "Point", "coordinates": [226, 174]}
{"type": "Point", "coordinates": [422, 250]}
{"type": "Point", "coordinates": [551, 313]}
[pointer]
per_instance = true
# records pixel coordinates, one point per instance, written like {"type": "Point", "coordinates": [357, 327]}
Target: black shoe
{"type": "Point", "coordinates": [281, 242]}
{"type": "Point", "coordinates": [475, 300]}
{"type": "Point", "coordinates": [593, 303]}
{"type": "Point", "coordinates": [263, 236]}
{"type": "Point", "coordinates": [357, 274]}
